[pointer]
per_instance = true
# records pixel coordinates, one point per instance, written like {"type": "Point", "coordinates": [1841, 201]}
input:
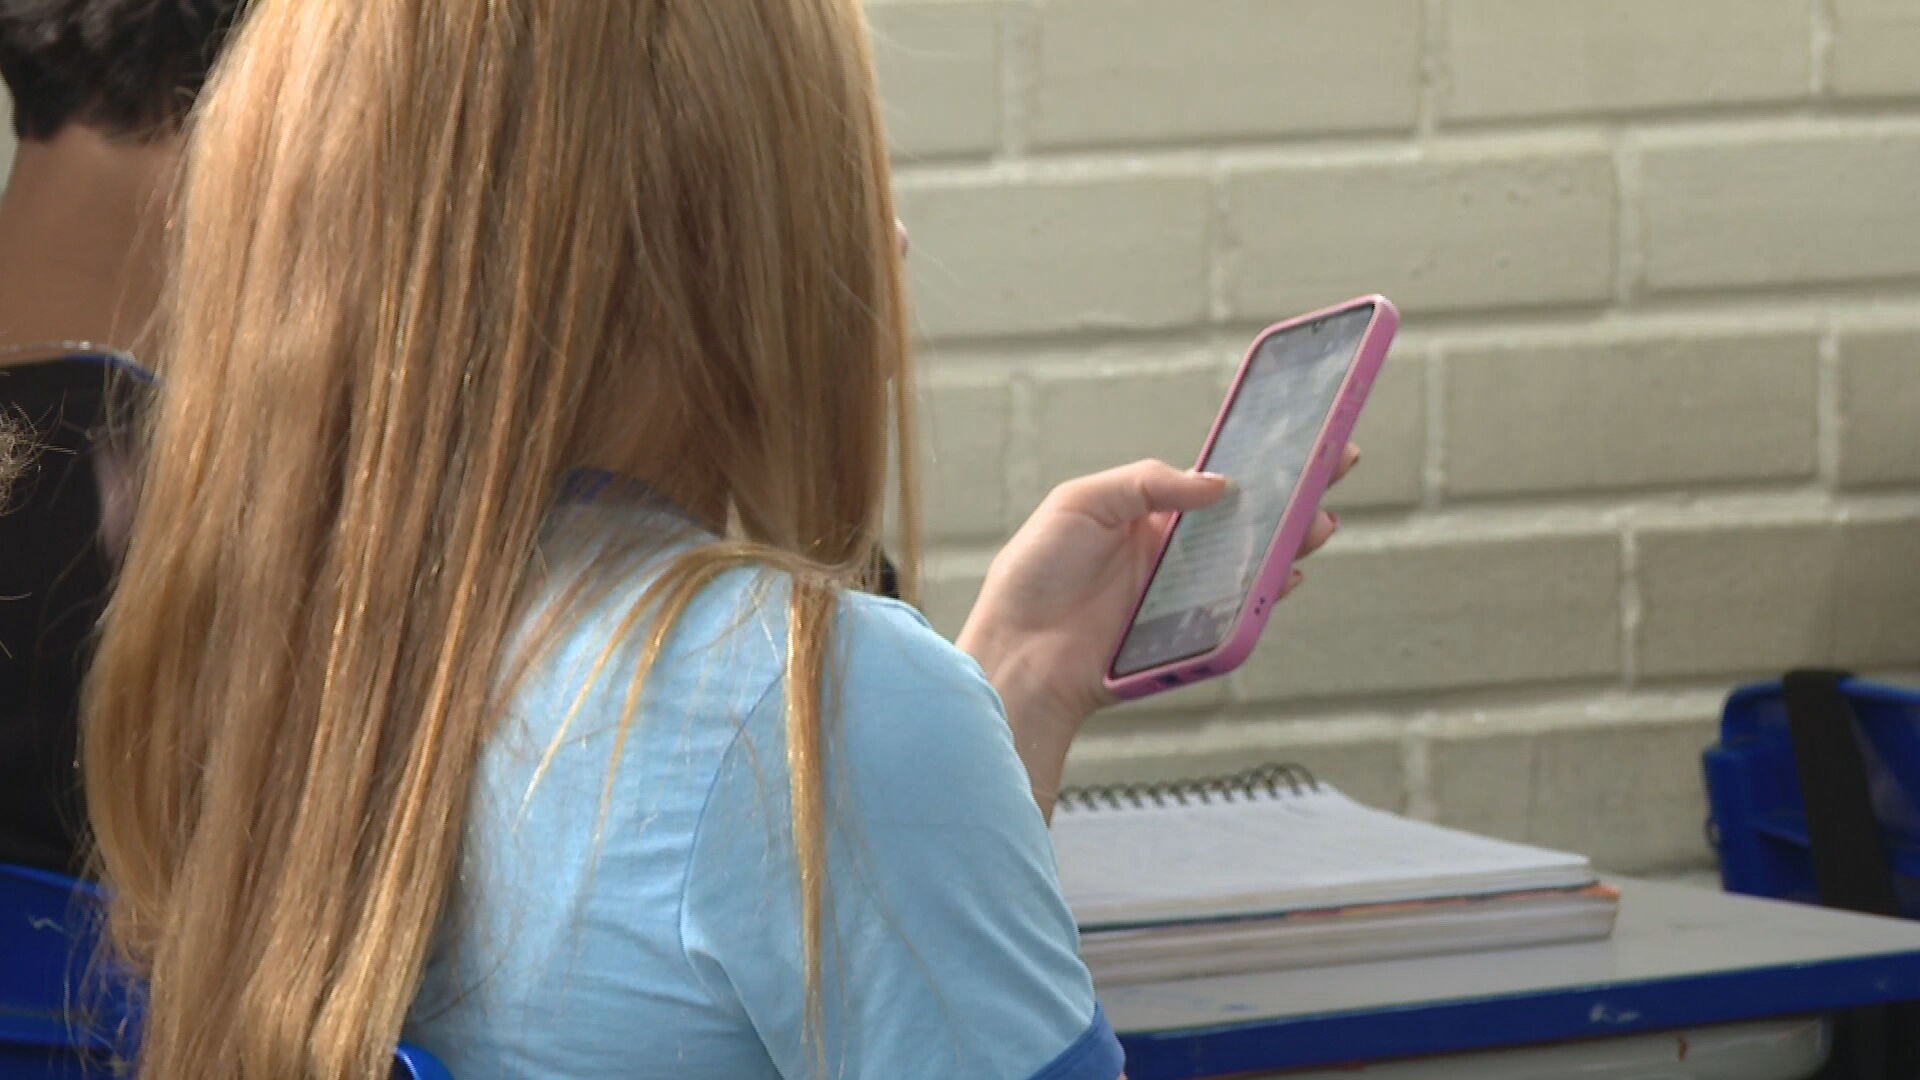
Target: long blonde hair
{"type": "Point", "coordinates": [431, 254]}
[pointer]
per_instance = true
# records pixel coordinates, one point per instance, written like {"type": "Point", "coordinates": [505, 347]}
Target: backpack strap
{"type": "Point", "coordinates": [1850, 865]}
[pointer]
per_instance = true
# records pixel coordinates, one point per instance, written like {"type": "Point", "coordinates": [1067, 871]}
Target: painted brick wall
{"type": "Point", "coordinates": [1653, 424]}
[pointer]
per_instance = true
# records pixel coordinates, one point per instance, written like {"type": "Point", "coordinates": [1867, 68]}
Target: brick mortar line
{"type": "Point", "coordinates": [1331, 722]}
{"type": "Point", "coordinates": [1673, 496]}
{"type": "Point", "coordinates": [1546, 705]}
{"type": "Point", "coordinates": [1509, 709]}
{"type": "Point", "coordinates": [1671, 505]}
{"type": "Point", "coordinates": [1796, 111]}
{"type": "Point", "coordinates": [1757, 312]}
{"type": "Point", "coordinates": [1416, 772]}
{"type": "Point", "coordinates": [1015, 32]}
{"type": "Point", "coordinates": [1016, 161]}
{"type": "Point", "coordinates": [1630, 246]}
{"type": "Point", "coordinates": [1171, 359]}
{"type": "Point", "coordinates": [1537, 703]}
{"type": "Point", "coordinates": [1223, 247]}
{"type": "Point", "coordinates": [1433, 468]}
{"type": "Point", "coordinates": [1474, 526]}
{"type": "Point", "coordinates": [1830, 421]}
{"type": "Point", "coordinates": [1821, 41]}
{"type": "Point", "coordinates": [1112, 733]}
{"type": "Point", "coordinates": [1022, 486]}
{"type": "Point", "coordinates": [1434, 60]}
{"type": "Point", "coordinates": [1632, 607]}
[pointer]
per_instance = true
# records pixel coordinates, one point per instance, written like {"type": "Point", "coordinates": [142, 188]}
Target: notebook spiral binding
{"type": "Point", "coordinates": [1268, 780]}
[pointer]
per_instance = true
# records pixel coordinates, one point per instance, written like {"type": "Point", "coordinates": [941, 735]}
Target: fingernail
{"type": "Point", "coordinates": [1335, 518]}
{"type": "Point", "coordinates": [1294, 579]}
{"type": "Point", "coordinates": [1214, 476]}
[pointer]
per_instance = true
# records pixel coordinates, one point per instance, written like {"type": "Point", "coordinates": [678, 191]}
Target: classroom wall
{"type": "Point", "coordinates": [1650, 429]}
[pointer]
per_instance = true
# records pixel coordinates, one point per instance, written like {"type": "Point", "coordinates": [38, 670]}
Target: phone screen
{"type": "Point", "coordinates": [1272, 422]}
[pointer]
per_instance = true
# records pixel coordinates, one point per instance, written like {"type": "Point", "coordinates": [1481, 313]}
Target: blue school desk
{"type": "Point", "coordinates": [1680, 958]}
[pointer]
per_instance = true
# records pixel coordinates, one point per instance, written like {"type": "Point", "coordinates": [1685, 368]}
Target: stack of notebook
{"type": "Point", "coordinates": [1273, 869]}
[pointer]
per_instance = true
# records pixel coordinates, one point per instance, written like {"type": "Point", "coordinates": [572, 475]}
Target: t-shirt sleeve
{"type": "Point", "coordinates": [949, 951]}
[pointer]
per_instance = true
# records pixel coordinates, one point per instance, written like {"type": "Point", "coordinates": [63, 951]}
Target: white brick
{"type": "Point", "coordinates": [1631, 412]}
{"type": "Point", "coordinates": [1444, 615]}
{"type": "Point", "coordinates": [1129, 252]}
{"type": "Point", "coordinates": [1359, 756]}
{"type": "Point", "coordinates": [1875, 45]}
{"type": "Point", "coordinates": [1623, 790]}
{"type": "Point", "coordinates": [1629, 797]}
{"type": "Point", "coordinates": [1877, 596]}
{"type": "Point", "coordinates": [1518, 58]}
{"type": "Point", "coordinates": [1482, 780]}
{"type": "Point", "coordinates": [1735, 599]}
{"type": "Point", "coordinates": [1090, 420]}
{"type": "Point", "coordinates": [1756, 600]}
{"type": "Point", "coordinates": [1880, 409]}
{"type": "Point", "coordinates": [939, 72]}
{"type": "Point", "coordinates": [1827, 207]}
{"type": "Point", "coordinates": [1461, 231]}
{"type": "Point", "coordinates": [1392, 437]}
{"type": "Point", "coordinates": [1111, 71]}
{"type": "Point", "coordinates": [968, 427]}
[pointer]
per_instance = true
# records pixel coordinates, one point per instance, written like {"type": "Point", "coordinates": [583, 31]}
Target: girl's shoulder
{"type": "Point", "coordinates": [726, 651]}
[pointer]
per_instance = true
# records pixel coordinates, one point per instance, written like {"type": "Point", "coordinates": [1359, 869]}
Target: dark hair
{"type": "Point", "coordinates": [128, 67]}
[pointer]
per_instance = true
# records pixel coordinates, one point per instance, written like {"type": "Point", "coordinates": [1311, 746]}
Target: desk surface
{"type": "Point", "coordinates": [1679, 957]}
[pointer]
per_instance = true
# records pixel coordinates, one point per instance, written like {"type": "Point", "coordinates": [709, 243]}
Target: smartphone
{"type": "Point", "coordinates": [1278, 438]}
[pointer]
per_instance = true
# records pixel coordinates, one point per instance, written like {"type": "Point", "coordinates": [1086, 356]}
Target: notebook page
{"type": "Point", "coordinates": [1268, 855]}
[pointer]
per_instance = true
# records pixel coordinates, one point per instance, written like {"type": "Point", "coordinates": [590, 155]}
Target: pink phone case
{"type": "Point", "coordinates": [1294, 523]}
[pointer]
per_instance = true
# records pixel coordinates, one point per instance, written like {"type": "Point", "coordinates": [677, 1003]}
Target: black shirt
{"type": "Point", "coordinates": [53, 586]}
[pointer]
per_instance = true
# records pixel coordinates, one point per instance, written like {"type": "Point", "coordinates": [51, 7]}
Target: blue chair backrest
{"type": "Point", "coordinates": [53, 1019]}
{"type": "Point", "coordinates": [1758, 818]}
{"type": "Point", "coordinates": [57, 1021]}
{"type": "Point", "coordinates": [413, 1063]}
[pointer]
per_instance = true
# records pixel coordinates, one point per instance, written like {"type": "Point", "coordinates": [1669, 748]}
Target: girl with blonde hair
{"type": "Point", "coordinates": [490, 665]}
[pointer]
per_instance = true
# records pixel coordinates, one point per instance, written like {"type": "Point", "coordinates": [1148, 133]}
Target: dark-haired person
{"type": "Point", "coordinates": [100, 89]}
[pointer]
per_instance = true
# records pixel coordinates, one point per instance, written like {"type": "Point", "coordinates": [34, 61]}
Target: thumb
{"type": "Point", "coordinates": [1123, 495]}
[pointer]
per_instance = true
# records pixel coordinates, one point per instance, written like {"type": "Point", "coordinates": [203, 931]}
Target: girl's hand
{"type": "Point", "coordinates": [1057, 597]}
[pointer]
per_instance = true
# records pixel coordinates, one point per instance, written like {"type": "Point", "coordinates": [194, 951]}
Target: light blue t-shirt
{"type": "Point", "coordinates": [660, 938]}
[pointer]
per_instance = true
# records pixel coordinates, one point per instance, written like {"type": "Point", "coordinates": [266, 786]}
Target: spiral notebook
{"type": "Point", "coordinates": [1273, 868]}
